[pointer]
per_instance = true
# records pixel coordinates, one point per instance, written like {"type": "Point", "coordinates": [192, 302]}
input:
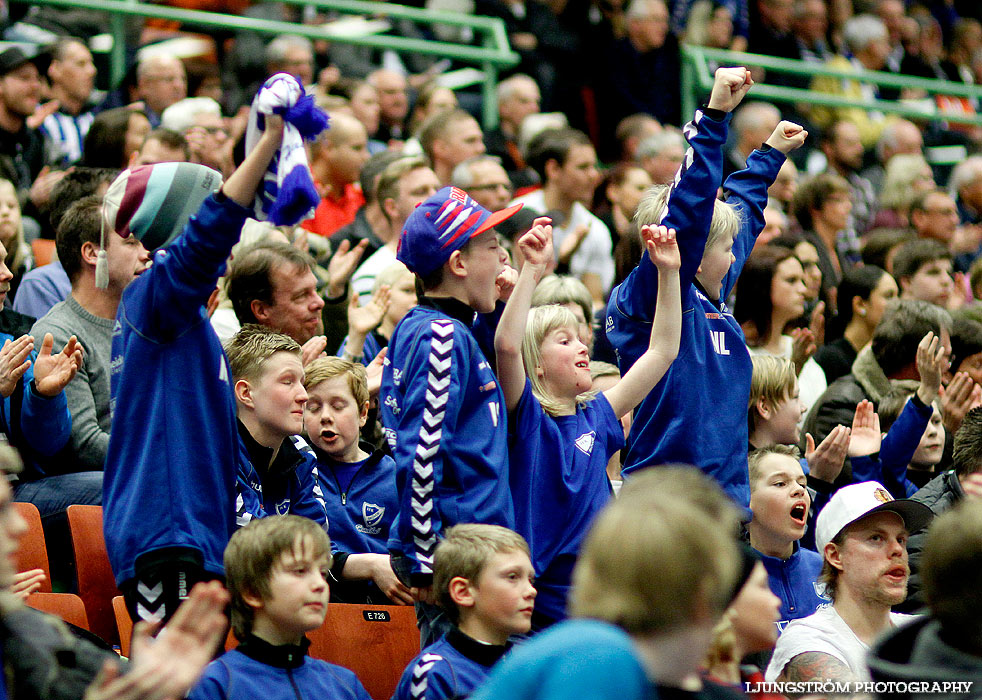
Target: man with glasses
{"type": "Point", "coordinates": [485, 180]}
{"type": "Point", "coordinates": [160, 82]}
{"type": "Point", "coordinates": [200, 120]}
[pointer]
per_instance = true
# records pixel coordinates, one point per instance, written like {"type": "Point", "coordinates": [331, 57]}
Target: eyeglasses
{"type": "Point", "coordinates": [491, 186]}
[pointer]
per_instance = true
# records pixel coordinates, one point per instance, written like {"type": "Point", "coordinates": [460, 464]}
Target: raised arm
{"type": "Point", "coordinates": [536, 248]}
{"type": "Point", "coordinates": [747, 190]}
{"type": "Point", "coordinates": [666, 330]}
{"type": "Point", "coordinates": [691, 200]}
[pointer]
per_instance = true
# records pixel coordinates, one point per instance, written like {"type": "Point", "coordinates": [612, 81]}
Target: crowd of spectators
{"type": "Point", "coordinates": [825, 370]}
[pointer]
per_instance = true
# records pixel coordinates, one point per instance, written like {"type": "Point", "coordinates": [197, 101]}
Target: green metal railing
{"type": "Point", "coordinates": [490, 57]}
{"type": "Point", "coordinates": [697, 81]}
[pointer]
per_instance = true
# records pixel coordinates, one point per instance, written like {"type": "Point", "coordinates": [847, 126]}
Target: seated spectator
{"type": "Point", "coordinates": [484, 580]}
{"type": "Point", "coordinates": [19, 257]}
{"type": "Point", "coordinates": [271, 564]}
{"type": "Point", "coordinates": [862, 298]}
{"type": "Point", "coordinates": [43, 287]}
{"type": "Point", "coordinates": [947, 490]}
{"type": "Point", "coordinates": [867, 40]}
{"type": "Point", "coordinates": [369, 223]}
{"type": "Point", "coordinates": [965, 185]}
{"type": "Point", "coordinates": [448, 139]}
{"type": "Point", "coordinates": [383, 316]}
{"type": "Point", "coordinates": [923, 271]}
{"type": "Point", "coordinates": [631, 131]}
{"type": "Point", "coordinates": [484, 180]}
{"type": "Point", "coordinates": [905, 177]}
{"type": "Point", "coordinates": [810, 26]}
{"type": "Point", "coordinates": [272, 283]}
{"type": "Point", "coordinates": [751, 125]}
{"type": "Point", "coordinates": [891, 354]}
{"type": "Point", "coordinates": [566, 163]}
{"type": "Point", "coordinates": [640, 72]}
{"type": "Point", "coordinates": [898, 136]}
{"type": "Point", "coordinates": [934, 214]}
{"type": "Point", "coordinates": [89, 314]}
{"type": "Point", "coordinates": [711, 24]}
{"type": "Point", "coordinates": [357, 480]}
{"type": "Point", "coordinates": [336, 162]}
{"type": "Point", "coordinates": [71, 77]}
{"type": "Point", "coordinates": [782, 506]}
{"type": "Point", "coordinates": [162, 146]}
{"type": "Point", "coordinates": [622, 189]}
{"type": "Point", "coordinates": [199, 120]}
{"type": "Point", "coordinates": [402, 186]}
{"type": "Point", "coordinates": [880, 246]}
{"type": "Point", "coordinates": [518, 97]}
{"type": "Point", "coordinates": [393, 100]}
{"type": "Point", "coordinates": [363, 102]}
{"type": "Point", "coordinates": [22, 147]}
{"type": "Point", "coordinates": [770, 294]}
{"type": "Point", "coordinates": [643, 612]}
{"type": "Point", "coordinates": [822, 206]}
{"type": "Point", "coordinates": [160, 82]}
{"type": "Point", "coordinates": [748, 627]}
{"type": "Point", "coordinates": [944, 644]}
{"type": "Point", "coordinates": [862, 535]}
{"type": "Point", "coordinates": [843, 150]}
{"type": "Point", "coordinates": [43, 657]}
{"type": "Point", "coordinates": [661, 155]}
{"type": "Point", "coordinates": [113, 138]}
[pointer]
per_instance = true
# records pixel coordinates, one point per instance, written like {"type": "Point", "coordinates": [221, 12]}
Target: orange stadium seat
{"type": "Point", "coordinates": [96, 585]}
{"type": "Point", "coordinates": [32, 552]}
{"type": "Point", "coordinates": [377, 642]}
{"type": "Point", "coordinates": [68, 606]}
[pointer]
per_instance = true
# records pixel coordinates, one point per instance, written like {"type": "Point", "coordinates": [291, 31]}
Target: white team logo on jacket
{"type": "Point", "coordinates": [372, 515]}
{"type": "Point", "coordinates": [584, 443]}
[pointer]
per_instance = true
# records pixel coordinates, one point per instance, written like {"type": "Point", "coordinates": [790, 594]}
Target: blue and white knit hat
{"type": "Point", "coordinates": [154, 203]}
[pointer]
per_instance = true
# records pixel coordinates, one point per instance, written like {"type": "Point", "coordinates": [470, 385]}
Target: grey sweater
{"type": "Point", "coordinates": [88, 392]}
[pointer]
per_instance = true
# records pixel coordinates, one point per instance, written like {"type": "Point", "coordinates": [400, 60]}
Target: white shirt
{"type": "Point", "coordinates": [595, 253]}
{"type": "Point", "coordinates": [826, 632]}
{"type": "Point", "coordinates": [364, 278]}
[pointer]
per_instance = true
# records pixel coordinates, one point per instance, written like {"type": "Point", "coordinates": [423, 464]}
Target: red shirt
{"type": "Point", "coordinates": [331, 214]}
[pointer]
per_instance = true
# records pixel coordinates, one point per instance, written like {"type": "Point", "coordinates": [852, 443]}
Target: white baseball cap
{"type": "Point", "coordinates": [856, 501]}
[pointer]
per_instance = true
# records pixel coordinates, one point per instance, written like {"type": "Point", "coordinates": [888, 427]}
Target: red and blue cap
{"type": "Point", "coordinates": [442, 224]}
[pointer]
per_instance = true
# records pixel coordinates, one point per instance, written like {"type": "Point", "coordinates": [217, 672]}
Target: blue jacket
{"type": "Point", "coordinates": [899, 445]}
{"type": "Point", "coordinates": [36, 425]}
{"type": "Point", "coordinates": [288, 485]}
{"type": "Point", "coordinates": [451, 668]}
{"type": "Point", "coordinates": [259, 670]}
{"type": "Point", "coordinates": [359, 516]}
{"type": "Point", "coordinates": [793, 581]}
{"type": "Point", "coordinates": [445, 423]}
{"type": "Point", "coordinates": [170, 478]}
{"type": "Point", "coordinates": [697, 412]}
{"type": "Point", "coordinates": [558, 484]}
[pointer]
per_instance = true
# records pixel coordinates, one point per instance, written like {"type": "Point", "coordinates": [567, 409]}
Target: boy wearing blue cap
{"type": "Point", "coordinates": [441, 405]}
{"type": "Point", "coordinates": [169, 489]}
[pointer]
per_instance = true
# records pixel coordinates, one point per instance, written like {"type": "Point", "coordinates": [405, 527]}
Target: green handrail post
{"type": "Point", "coordinates": [493, 55]}
{"type": "Point", "coordinates": [696, 76]}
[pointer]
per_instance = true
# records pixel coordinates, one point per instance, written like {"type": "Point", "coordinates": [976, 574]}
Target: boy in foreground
{"type": "Point", "coordinates": [276, 570]}
{"type": "Point", "coordinates": [483, 578]}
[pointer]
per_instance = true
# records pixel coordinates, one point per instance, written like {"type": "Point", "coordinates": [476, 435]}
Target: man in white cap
{"type": "Point", "coordinates": [862, 534]}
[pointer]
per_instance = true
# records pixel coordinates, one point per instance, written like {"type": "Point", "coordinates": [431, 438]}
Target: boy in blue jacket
{"type": "Point", "coordinates": [170, 479]}
{"type": "Point", "coordinates": [484, 581]}
{"type": "Point", "coordinates": [267, 372]}
{"type": "Point", "coordinates": [276, 570]}
{"type": "Point", "coordinates": [358, 483]}
{"type": "Point", "coordinates": [697, 412]}
{"type": "Point", "coordinates": [440, 403]}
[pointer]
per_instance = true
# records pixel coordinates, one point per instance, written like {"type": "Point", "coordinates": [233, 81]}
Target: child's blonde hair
{"type": "Point", "coordinates": [390, 275]}
{"type": "Point", "coordinates": [255, 549]}
{"type": "Point", "coordinates": [464, 552]}
{"type": "Point", "coordinates": [773, 379]}
{"type": "Point", "coordinates": [654, 205]}
{"type": "Point", "coordinates": [655, 555]}
{"type": "Point", "coordinates": [250, 348]}
{"type": "Point", "coordinates": [324, 368]}
{"type": "Point", "coordinates": [542, 321]}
